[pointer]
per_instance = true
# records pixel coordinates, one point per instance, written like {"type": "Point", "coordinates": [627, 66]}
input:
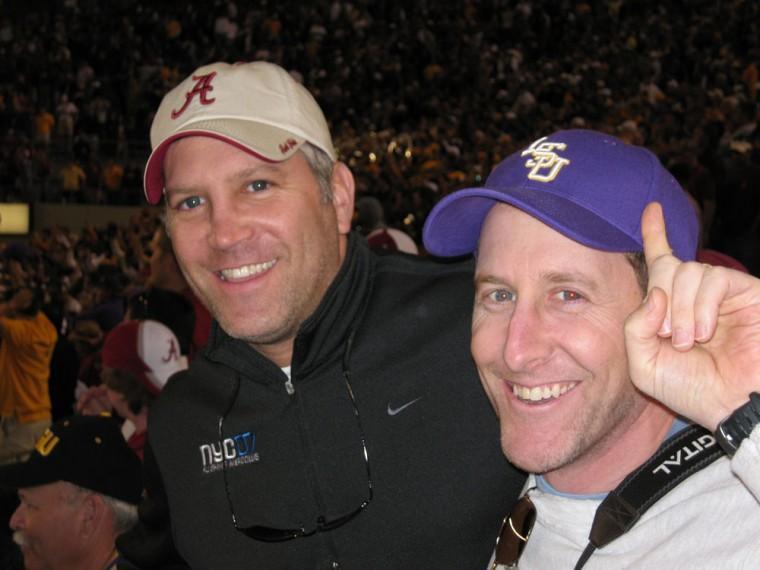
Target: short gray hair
{"type": "Point", "coordinates": [124, 514]}
{"type": "Point", "coordinates": [321, 166]}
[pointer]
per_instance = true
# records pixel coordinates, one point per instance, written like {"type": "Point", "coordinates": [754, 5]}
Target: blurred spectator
{"type": "Point", "coordinates": [168, 298]}
{"type": "Point", "coordinates": [370, 221]}
{"type": "Point", "coordinates": [43, 125]}
{"type": "Point", "coordinates": [113, 174]}
{"type": "Point", "coordinates": [629, 132]}
{"type": "Point", "coordinates": [28, 340]}
{"type": "Point", "coordinates": [72, 182]}
{"type": "Point", "coordinates": [64, 367]}
{"type": "Point", "coordinates": [78, 491]}
{"type": "Point", "coordinates": [138, 358]}
{"type": "Point", "coordinates": [87, 337]}
{"type": "Point", "coordinates": [67, 113]}
{"type": "Point", "coordinates": [106, 304]}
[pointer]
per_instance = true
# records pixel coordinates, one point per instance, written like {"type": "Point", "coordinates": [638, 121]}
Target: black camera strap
{"type": "Point", "coordinates": [679, 457]}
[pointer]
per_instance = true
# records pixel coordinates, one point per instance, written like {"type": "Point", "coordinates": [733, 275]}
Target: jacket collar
{"type": "Point", "coordinates": [322, 336]}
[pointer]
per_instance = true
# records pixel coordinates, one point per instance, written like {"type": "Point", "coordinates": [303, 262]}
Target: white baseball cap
{"type": "Point", "coordinates": [257, 106]}
{"type": "Point", "coordinates": [148, 349]}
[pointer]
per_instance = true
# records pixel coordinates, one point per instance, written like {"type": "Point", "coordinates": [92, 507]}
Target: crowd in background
{"type": "Point", "coordinates": [85, 282]}
{"type": "Point", "coordinates": [118, 321]}
{"type": "Point", "coordinates": [423, 98]}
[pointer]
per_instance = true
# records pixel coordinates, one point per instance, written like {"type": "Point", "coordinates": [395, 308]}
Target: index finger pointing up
{"type": "Point", "coordinates": [661, 264]}
{"type": "Point", "coordinates": [653, 234]}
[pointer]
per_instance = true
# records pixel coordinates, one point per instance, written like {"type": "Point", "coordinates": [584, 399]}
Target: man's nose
{"type": "Point", "coordinates": [17, 518]}
{"type": "Point", "coordinates": [229, 226]}
{"type": "Point", "coordinates": [527, 339]}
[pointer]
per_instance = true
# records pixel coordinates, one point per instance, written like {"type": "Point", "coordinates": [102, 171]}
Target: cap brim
{"type": "Point", "coordinates": [234, 132]}
{"type": "Point", "coordinates": [27, 474]}
{"type": "Point", "coordinates": [454, 225]}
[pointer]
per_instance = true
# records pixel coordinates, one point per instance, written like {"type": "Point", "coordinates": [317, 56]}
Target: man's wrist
{"type": "Point", "coordinates": [737, 426]}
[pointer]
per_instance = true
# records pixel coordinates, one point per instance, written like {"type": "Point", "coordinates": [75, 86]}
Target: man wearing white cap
{"type": "Point", "coordinates": [334, 419]}
{"type": "Point", "coordinates": [138, 358]}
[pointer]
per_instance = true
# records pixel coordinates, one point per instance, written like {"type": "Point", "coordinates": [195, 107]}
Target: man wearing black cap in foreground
{"type": "Point", "coordinates": [78, 491]}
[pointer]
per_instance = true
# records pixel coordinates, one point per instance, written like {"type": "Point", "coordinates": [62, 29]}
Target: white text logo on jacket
{"type": "Point", "coordinates": [233, 451]}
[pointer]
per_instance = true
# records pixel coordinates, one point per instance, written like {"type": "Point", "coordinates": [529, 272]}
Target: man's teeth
{"type": "Point", "coordinates": [246, 270]}
{"type": "Point", "coordinates": [538, 393]}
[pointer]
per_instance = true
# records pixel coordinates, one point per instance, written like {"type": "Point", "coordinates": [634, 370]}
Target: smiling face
{"type": "Point", "coordinates": [255, 240]}
{"type": "Point", "coordinates": [547, 336]}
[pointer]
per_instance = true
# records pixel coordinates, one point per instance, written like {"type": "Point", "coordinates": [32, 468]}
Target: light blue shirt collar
{"type": "Point", "coordinates": [544, 486]}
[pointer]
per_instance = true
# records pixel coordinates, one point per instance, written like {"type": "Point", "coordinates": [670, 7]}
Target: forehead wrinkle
{"type": "Point", "coordinates": [261, 169]}
{"type": "Point", "coordinates": [236, 176]}
{"type": "Point", "coordinates": [244, 175]}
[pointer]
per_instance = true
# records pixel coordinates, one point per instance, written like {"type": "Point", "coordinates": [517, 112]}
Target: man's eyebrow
{"type": "Point", "coordinates": [257, 171]}
{"type": "Point", "coordinates": [569, 277]}
{"type": "Point", "coordinates": [553, 277]}
{"type": "Point", "coordinates": [487, 279]}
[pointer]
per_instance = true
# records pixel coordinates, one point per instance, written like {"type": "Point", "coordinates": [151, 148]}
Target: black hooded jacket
{"type": "Point", "coordinates": [399, 328]}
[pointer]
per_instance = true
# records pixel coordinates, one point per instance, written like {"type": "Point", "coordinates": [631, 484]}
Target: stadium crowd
{"type": "Point", "coordinates": [424, 98]}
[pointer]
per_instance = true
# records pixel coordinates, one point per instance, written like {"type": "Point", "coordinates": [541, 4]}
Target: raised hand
{"type": "Point", "coordinates": [694, 344]}
{"type": "Point", "coordinates": [94, 401]}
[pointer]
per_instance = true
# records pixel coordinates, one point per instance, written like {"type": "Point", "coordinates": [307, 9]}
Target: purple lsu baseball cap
{"type": "Point", "coordinates": [589, 186]}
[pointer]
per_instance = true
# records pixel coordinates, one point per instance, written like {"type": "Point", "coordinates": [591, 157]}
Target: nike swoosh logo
{"type": "Point", "coordinates": [394, 411]}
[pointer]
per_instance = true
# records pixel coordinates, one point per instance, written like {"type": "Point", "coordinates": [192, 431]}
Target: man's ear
{"type": "Point", "coordinates": [92, 514]}
{"type": "Point", "coordinates": [343, 187]}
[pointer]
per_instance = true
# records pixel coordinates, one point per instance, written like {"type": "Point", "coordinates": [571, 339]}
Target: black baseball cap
{"type": "Point", "coordinates": [88, 451]}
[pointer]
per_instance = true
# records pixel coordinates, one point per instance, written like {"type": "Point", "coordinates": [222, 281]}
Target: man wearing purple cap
{"type": "Point", "coordinates": [598, 340]}
{"type": "Point", "coordinates": [334, 419]}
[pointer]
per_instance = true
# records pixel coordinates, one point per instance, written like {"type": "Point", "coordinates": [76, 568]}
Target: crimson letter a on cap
{"type": "Point", "coordinates": [201, 88]}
